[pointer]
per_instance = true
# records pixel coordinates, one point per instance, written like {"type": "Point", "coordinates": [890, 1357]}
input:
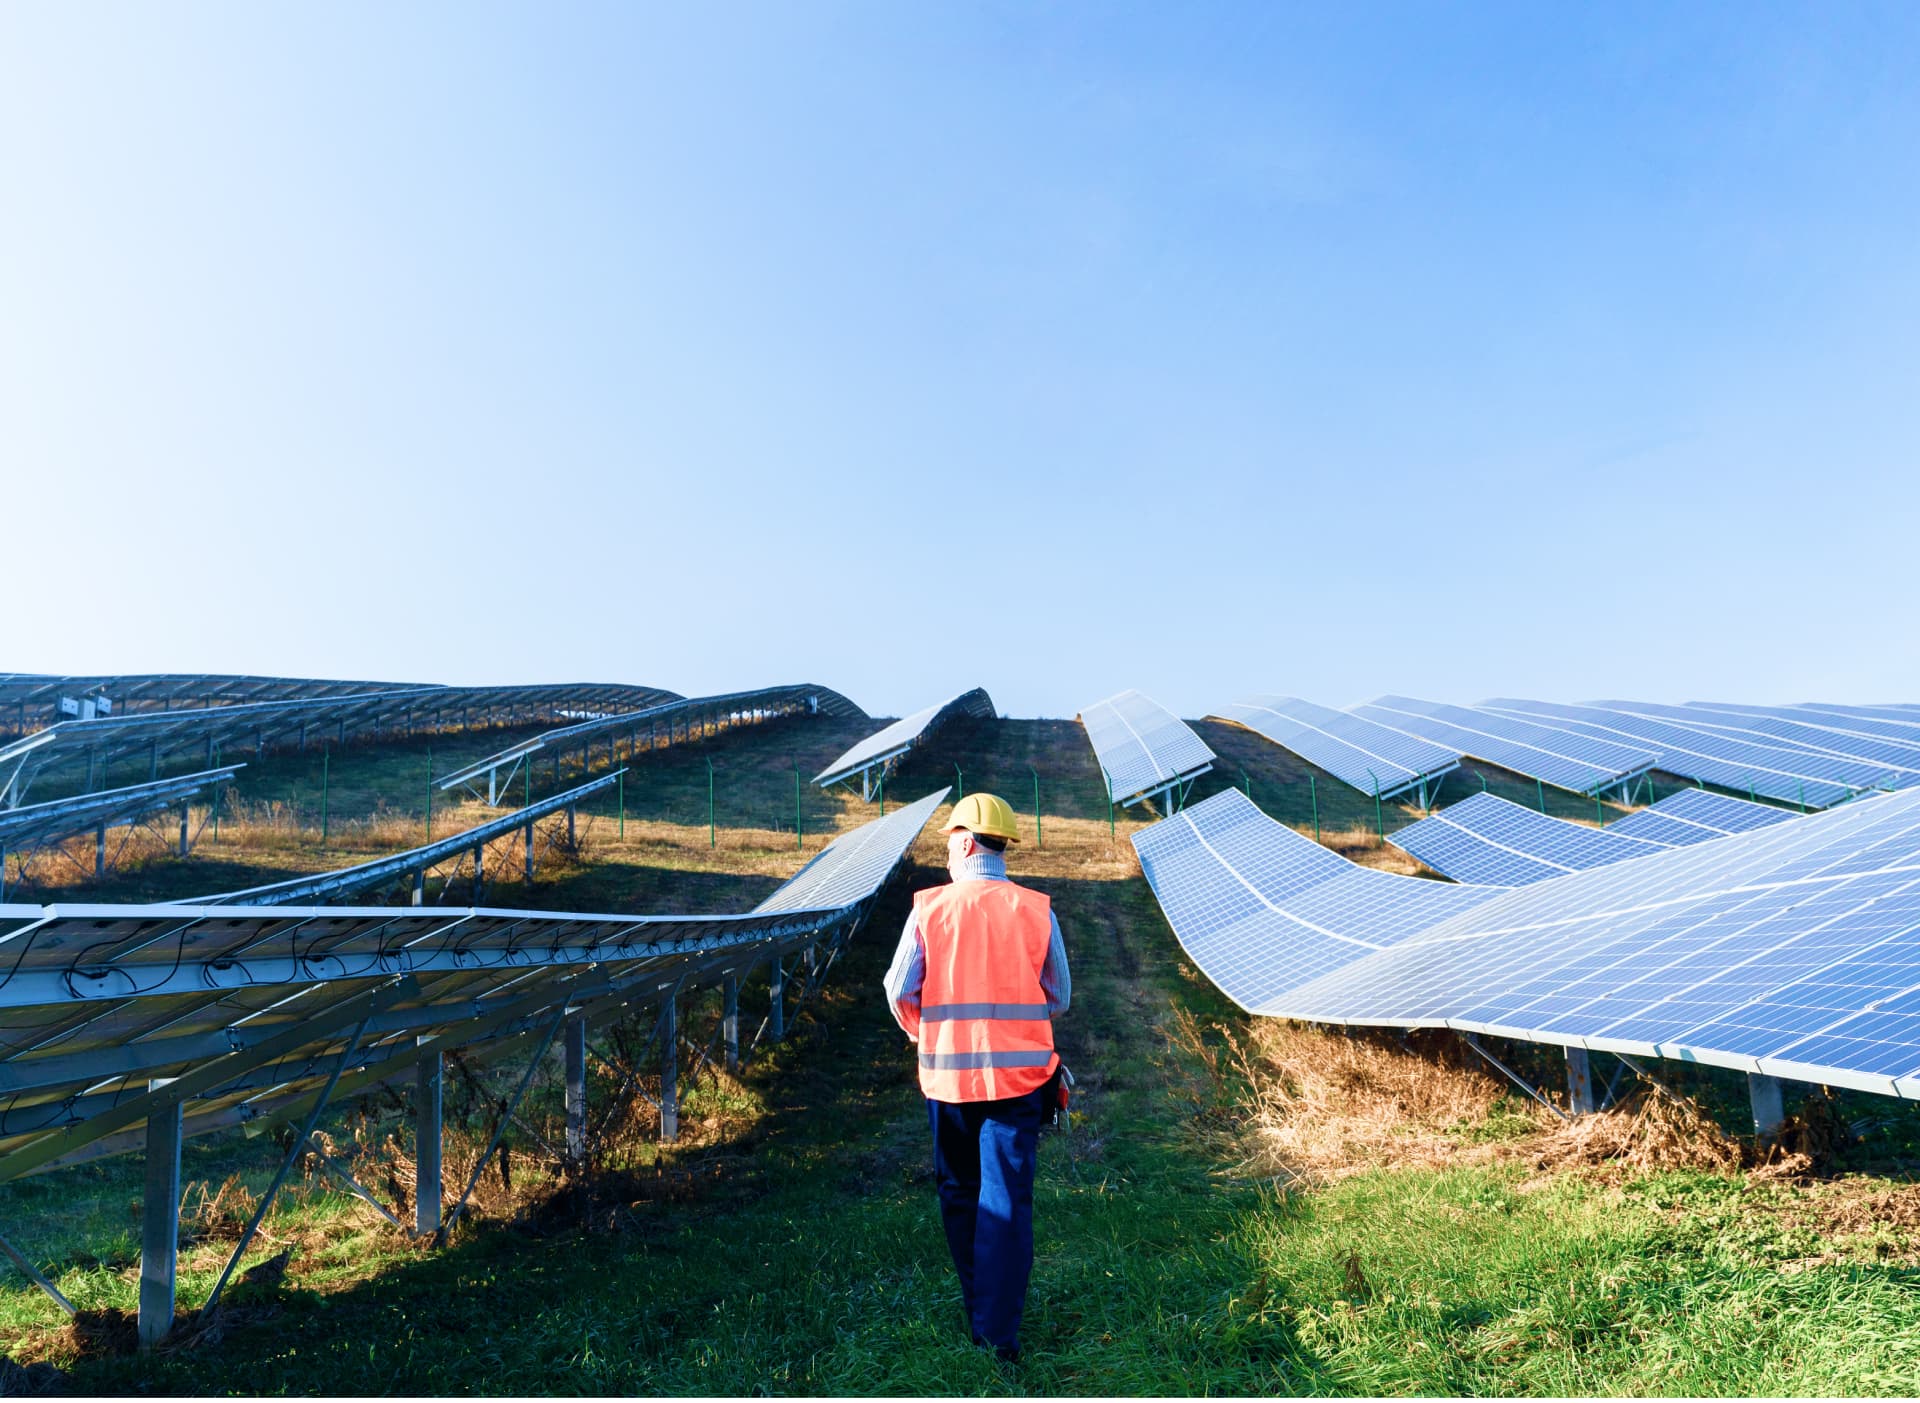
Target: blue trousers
{"type": "Point", "coordinates": [983, 1157]}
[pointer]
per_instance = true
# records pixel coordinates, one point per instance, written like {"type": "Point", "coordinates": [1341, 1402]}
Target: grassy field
{"type": "Point", "coordinates": [1240, 1206]}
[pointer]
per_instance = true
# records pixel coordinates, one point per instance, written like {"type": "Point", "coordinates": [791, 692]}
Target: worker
{"type": "Point", "coordinates": [979, 975]}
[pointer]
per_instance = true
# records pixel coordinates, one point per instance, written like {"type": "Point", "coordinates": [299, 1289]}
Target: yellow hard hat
{"type": "Point", "coordinates": [984, 813]}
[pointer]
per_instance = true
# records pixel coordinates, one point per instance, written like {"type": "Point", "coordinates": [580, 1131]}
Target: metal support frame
{"type": "Point", "coordinates": [670, 1067]}
{"type": "Point", "coordinates": [1474, 1042]}
{"type": "Point", "coordinates": [776, 999]}
{"type": "Point", "coordinates": [576, 1050]}
{"type": "Point", "coordinates": [160, 1222]}
{"type": "Point", "coordinates": [730, 1020]}
{"type": "Point", "coordinates": [526, 1080]}
{"type": "Point", "coordinates": [36, 1276]}
{"type": "Point", "coordinates": [430, 1081]}
{"type": "Point", "coordinates": [286, 1165]}
{"type": "Point", "coordinates": [1766, 1095]}
{"type": "Point", "coordinates": [352, 1185]}
{"type": "Point", "coordinates": [1579, 1082]}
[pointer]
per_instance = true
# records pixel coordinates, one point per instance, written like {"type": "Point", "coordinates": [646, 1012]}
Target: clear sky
{"type": "Point", "coordinates": [1456, 350]}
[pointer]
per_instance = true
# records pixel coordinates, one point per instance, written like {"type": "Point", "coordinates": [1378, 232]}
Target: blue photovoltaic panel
{"type": "Point", "coordinates": [1874, 727]}
{"type": "Point", "coordinates": [896, 740]}
{"type": "Point", "coordinates": [1262, 909]}
{"type": "Point", "coordinates": [1370, 757]}
{"type": "Point", "coordinates": [1582, 764]}
{"type": "Point", "coordinates": [1903, 713]}
{"type": "Point", "coordinates": [1694, 816]}
{"type": "Point", "coordinates": [1141, 746]}
{"type": "Point", "coordinates": [1489, 841]}
{"type": "Point", "coordinates": [1899, 761]}
{"type": "Point", "coordinates": [1792, 950]}
{"type": "Point", "coordinates": [1791, 776]}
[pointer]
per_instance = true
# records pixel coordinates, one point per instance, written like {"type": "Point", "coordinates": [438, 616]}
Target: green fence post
{"type": "Point", "coordinates": [1039, 833]}
{"type": "Point", "coordinates": [959, 784]}
{"type": "Point", "coordinates": [1313, 793]}
{"type": "Point", "coordinates": [1803, 796]}
{"type": "Point", "coordinates": [1483, 782]}
{"type": "Point", "coordinates": [883, 792]}
{"type": "Point", "coordinates": [1109, 782]}
{"type": "Point", "coordinates": [620, 786]}
{"type": "Point", "coordinates": [713, 833]}
{"type": "Point", "coordinates": [526, 781]}
{"type": "Point", "coordinates": [325, 758]}
{"type": "Point", "coordinates": [429, 793]}
{"type": "Point", "coordinates": [1752, 783]}
{"type": "Point", "coordinates": [1599, 810]}
{"type": "Point", "coordinates": [798, 841]}
{"type": "Point", "coordinates": [1246, 782]}
{"type": "Point", "coordinates": [1379, 822]}
{"type": "Point", "coordinates": [1541, 790]}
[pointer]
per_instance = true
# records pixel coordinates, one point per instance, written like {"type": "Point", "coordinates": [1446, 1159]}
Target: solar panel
{"type": "Point", "coordinates": [730, 708]}
{"type": "Point", "coordinates": [29, 700]}
{"type": "Point", "coordinates": [1370, 757]}
{"type": "Point", "coordinates": [881, 750]}
{"type": "Point", "coordinates": [1695, 815]}
{"type": "Point", "coordinates": [1486, 840]}
{"type": "Point", "coordinates": [333, 885]}
{"type": "Point", "coordinates": [1262, 909]}
{"type": "Point", "coordinates": [1791, 776]}
{"type": "Point", "coordinates": [1144, 750]}
{"type": "Point", "coordinates": [39, 825]}
{"type": "Point", "coordinates": [251, 1005]}
{"type": "Point", "coordinates": [1906, 732]}
{"type": "Point", "coordinates": [155, 735]}
{"type": "Point", "coordinates": [1583, 764]}
{"type": "Point", "coordinates": [1789, 951]}
{"type": "Point", "coordinates": [1900, 760]}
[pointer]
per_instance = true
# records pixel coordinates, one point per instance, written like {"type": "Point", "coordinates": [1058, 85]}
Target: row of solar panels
{"type": "Point", "coordinates": [1812, 756]}
{"type": "Point", "coordinates": [1788, 949]}
{"type": "Point", "coordinates": [255, 1007]}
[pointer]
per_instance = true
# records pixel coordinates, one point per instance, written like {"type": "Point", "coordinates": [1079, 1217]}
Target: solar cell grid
{"type": "Point", "coordinates": [1262, 909]}
{"type": "Point", "coordinates": [1487, 840]}
{"type": "Point", "coordinates": [1582, 764]}
{"type": "Point", "coordinates": [1359, 752]}
{"type": "Point", "coordinates": [1777, 772]}
{"type": "Point", "coordinates": [1900, 761]}
{"type": "Point", "coordinates": [897, 739]}
{"type": "Point", "coordinates": [1142, 747]}
{"type": "Point", "coordinates": [1695, 815]}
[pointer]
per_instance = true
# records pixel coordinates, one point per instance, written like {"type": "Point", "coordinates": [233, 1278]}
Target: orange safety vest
{"type": "Point", "coordinates": [984, 1030]}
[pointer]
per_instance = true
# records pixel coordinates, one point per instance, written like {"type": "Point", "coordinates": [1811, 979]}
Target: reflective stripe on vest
{"type": "Point", "coordinates": [984, 1031]}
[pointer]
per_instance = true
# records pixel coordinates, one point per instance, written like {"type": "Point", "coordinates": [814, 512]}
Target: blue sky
{"type": "Point", "coordinates": [1451, 350]}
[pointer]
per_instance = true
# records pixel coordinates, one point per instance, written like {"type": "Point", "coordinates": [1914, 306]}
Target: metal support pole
{"type": "Point", "coordinates": [1313, 794]}
{"type": "Point", "coordinates": [670, 1069]}
{"type": "Point", "coordinates": [799, 840]}
{"type": "Point", "coordinates": [326, 766]}
{"type": "Point", "coordinates": [713, 840]}
{"type": "Point", "coordinates": [620, 786]}
{"type": "Point", "coordinates": [183, 828]}
{"type": "Point", "coordinates": [572, 833]}
{"type": "Point", "coordinates": [427, 1143]}
{"type": "Point", "coordinates": [730, 1020]}
{"type": "Point", "coordinates": [529, 852]}
{"type": "Point", "coordinates": [1769, 1106]}
{"type": "Point", "coordinates": [479, 871]}
{"type": "Point", "coordinates": [429, 794]}
{"type": "Point", "coordinates": [576, 1050]}
{"type": "Point", "coordinates": [420, 887]}
{"type": "Point", "coordinates": [100, 851]}
{"type": "Point", "coordinates": [160, 1223]}
{"type": "Point", "coordinates": [1579, 1082]}
{"type": "Point", "coordinates": [777, 1002]}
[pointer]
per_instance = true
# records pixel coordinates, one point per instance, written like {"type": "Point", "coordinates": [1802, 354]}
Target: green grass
{"type": "Point", "coordinates": [800, 1251]}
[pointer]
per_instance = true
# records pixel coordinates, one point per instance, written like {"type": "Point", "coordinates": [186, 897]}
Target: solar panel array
{"type": "Point", "coordinates": [1775, 771]}
{"type": "Point", "coordinates": [1488, 840]}
{"type": "Point", "coordinates": [1898, 759]}
{"type": "Point", "coordinates": [1370, 757]}
{"type": "Point", "coordinates": [1695, 815]}
{"type": "Point", "coordinates": [1583, 764]}
{"type": "Point", "coordinates": [885, 746]}
{"type": "Point", "coordinates": [252, 1009]}
{"type": "Point", "coordinates": [1143, 748]}
{"type": "Point", "coordinates": [382, 871]}
{"type": "Point", "coordinates": [40, 825]}
{"type": "Point", "coordinates": [30, 700]}
{"type": "Point", "coordinates": [1263, 910]}
{"type": "Point", "coordinates": [730, 708]}
{"type": "Point", "coordinates": [154, 736]}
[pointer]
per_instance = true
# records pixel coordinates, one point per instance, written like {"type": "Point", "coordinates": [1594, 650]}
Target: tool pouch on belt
{"type": "Point", "coordinates": [1054, 1096]}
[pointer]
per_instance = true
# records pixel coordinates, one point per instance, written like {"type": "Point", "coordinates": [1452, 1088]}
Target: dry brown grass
{"type": "Point", "coordinates": [1315, 1105]}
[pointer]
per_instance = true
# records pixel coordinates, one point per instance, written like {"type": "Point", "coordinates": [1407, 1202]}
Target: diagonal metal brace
{"type": "Point", "coordinates": [286, 1164]}
{"type": "Point", "coordinates": [526, 1080]}
{"type": "Point", "coordinates": [1512, 1076]}
{"type": "Point", "coordinates": [34, 1275]}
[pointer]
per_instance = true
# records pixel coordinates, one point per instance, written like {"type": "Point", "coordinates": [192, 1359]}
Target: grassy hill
{"type": "Point", "coordinates": [1240, 1206]}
